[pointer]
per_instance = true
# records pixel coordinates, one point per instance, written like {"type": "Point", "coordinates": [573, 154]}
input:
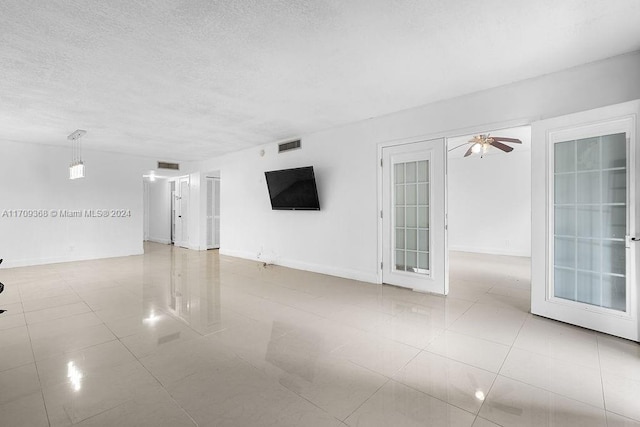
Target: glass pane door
{"type": "Point", "coordinates": [413, 214]}
{"type": "Point", "coordinates": [590, 220]}
{"type": "Point", "coordinates": [411, 219]}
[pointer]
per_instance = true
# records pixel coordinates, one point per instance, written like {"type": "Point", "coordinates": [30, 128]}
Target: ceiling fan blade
{"type": "Point", "coordinates": [469, 151]}
{"type": "Point", "coordinates": [501, 146]}
{"type": "Point", "coordinates": [504, 139]}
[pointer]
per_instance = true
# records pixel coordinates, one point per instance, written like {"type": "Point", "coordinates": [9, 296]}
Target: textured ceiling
{"type": "Point", "coordinates": [191, 79]}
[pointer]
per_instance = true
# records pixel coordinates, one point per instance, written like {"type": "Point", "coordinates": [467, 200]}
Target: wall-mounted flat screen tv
{"type": "Point", "coordinates": [293, 189]}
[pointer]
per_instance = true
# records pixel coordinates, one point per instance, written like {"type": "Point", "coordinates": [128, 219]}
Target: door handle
{"type": "Point", "coordinates": [179, 216]}
{"type": "Point", "coordinates": [628, 240]}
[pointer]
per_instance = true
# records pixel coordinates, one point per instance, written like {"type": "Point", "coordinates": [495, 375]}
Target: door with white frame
{"type": "Point", "coordinates": [213, 212]}
{"type": "Point", "coordinates": [182, 211]}
{"type": "Point", "coordinates": [585, 214]}
{"type": "Point", "coordinates": [413, 216]}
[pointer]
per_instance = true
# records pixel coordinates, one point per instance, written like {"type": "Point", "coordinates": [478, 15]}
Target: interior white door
{"type": "Point", "coordinates": [213, 213]}
{"type": "Point", "coordinates": [216, 213]}
{"type": "Point", "coordinates": [585, 212]}
{"type": "Point", "coordinates": [413, 216]}
{"type": "Point", "coordinates": [174, 213]}
{"type": "Point", "coordinates": [182, 211]}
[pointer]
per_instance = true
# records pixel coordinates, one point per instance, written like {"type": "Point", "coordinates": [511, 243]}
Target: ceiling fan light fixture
{"type": "Point", "coordinates": [476, 148]}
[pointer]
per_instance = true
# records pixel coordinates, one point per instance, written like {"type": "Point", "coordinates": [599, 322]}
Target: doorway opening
{"type": "Point", "coordinates": [157, 191]}
{"type": "Point", "coordinates": [489, 219]}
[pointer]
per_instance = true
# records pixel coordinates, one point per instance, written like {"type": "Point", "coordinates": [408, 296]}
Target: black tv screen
{"type": "Point", "coordinates": [293, 189]}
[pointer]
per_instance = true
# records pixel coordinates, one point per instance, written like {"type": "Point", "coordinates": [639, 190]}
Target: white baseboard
{"type": "Point", "coordinates": [27, 262]}
{"type": "Point", "coordinates": [159, 240]}
{"type": "Point", "coordinates": [491, 251]}
{"type": "Point", "coordinates": [316, 268]}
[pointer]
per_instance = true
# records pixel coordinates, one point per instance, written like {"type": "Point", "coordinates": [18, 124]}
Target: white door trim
{"type": "Point", "coordinates": [611, 119]}
{"type": "Point", "coordinates": [435, 278]}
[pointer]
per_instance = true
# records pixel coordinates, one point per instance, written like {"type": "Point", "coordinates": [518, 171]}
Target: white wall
{"type": "Point", "coordinates": [36, 177]}
{"type": "Point", "coordinates": [160, 211]}
{"type": "Point", "coordinates": [490, 203]}
{"type": "Point", "coordinates": [311, 240]}
{"type": "Point", "coordinates": [342, 238]}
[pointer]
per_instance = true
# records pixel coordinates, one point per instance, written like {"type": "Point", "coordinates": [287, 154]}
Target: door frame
{"type": "Point", "coordinates": [184, 243]}
{"type": "Point", "coordinates": [542, 303]}
{"type": "Point", "coordinates": [446, 134]}
{"type": "Point", "coordinates": [429, 150]}
{"type": "Point", "coordinates": [215, 203]}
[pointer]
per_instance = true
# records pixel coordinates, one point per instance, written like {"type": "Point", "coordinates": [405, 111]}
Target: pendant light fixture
{"type": "Point", "coordinates": [76, 169]}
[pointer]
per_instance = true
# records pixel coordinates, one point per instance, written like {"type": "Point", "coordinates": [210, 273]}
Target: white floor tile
{"type": "Point", "coordinates": [149, 341]}
{"type": "Point", "coordinates": [560, 341]}
{"type": "Point", "coordinates": [409, 332]}
{"type": "Point", "coordinates": [400, 406]}
{"type": "Point", "coordinates": [156, 409]}
{"type": "Point", "coordinates": [622, 395]}
{"type": "Point", "coordinates": [68, 334]}
{"type": "Point", "coordinates": [177, 337]}
{"type": "Point", "coordinates": [619, 357]}
{"type": "Point", "coordinates": [333, 384]}
{"type": "Point", "coordinates": [238, 394]}
{"type": "Point", "coordinates": [53, 313]}
{"type": "Point", "coordinates": [16, 348]}
{"type": "Point", "coordinates": [179, 360]}
{"type": "Point", "coordinates": [88, 362]}
{"type": "Point", "coordinates": [512, 403]}
{"type": "Point", "coordinates": [10, 319]}
{"type": "Point", "coordinates": [380, 355]}
{"type": "Point", "coordinates": [27, 411]}
{"type": "Point", "coordinates": [490, 322]}
{"type": "Point", "coordinates": [461, 385]}
{"type": "Point", "coordinates": [51, 302]}
{"type": "Point", "coordinates": [481, 422]}
{"type": "Point", "coordinates": [97, 391]}
{"type": "Point", "coordinates": [615, 420]}
{"type": "Point", "coordinates": [473, 351]}
{"type": "Point", "coordinates": [18, 382]}
{"type": "Point", "coordinates": [568, 379]}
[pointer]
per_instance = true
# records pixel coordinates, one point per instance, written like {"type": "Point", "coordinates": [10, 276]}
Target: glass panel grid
{"type": "Point", "coordinates": [590, 198]}
{"type": "Point", "coordinates": [411, 221]}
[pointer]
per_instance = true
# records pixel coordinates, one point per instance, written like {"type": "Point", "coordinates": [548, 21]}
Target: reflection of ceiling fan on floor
{"type": "Point", "coordinates": [481, 143]}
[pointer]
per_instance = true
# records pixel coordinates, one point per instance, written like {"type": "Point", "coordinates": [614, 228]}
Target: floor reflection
{"type": "Point", "coordinates": [182, 338]}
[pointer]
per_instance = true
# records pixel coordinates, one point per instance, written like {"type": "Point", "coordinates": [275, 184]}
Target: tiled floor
{"type": "Point", "coordinates": [184, 338]}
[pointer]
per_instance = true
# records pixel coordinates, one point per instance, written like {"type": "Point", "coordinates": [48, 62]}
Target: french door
{"type": "Point", "coordinates": [585, 202]}
{"type": "Point", "coordinates": [413, 216]}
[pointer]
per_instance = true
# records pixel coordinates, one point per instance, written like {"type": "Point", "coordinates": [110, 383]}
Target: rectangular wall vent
{"type": "Point", "coordinates": [167, 165]}
{"type": "Point", "coordinates": [286, 146]}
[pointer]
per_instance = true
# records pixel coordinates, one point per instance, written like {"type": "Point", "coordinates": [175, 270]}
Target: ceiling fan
{"type": "Point", "coordinates": [481, 143]}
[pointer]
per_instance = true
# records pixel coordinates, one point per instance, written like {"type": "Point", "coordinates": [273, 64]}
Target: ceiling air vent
{"type": "Point", "coordinates": [167, 165]}
{"type": "Point", "coordinates": [286, 146]}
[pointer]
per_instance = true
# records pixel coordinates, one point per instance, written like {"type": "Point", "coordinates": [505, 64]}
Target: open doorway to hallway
{"type": "Point", "coordinates": [159, 193]}
{"type": "Point", "coordinates": [489, 220]}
